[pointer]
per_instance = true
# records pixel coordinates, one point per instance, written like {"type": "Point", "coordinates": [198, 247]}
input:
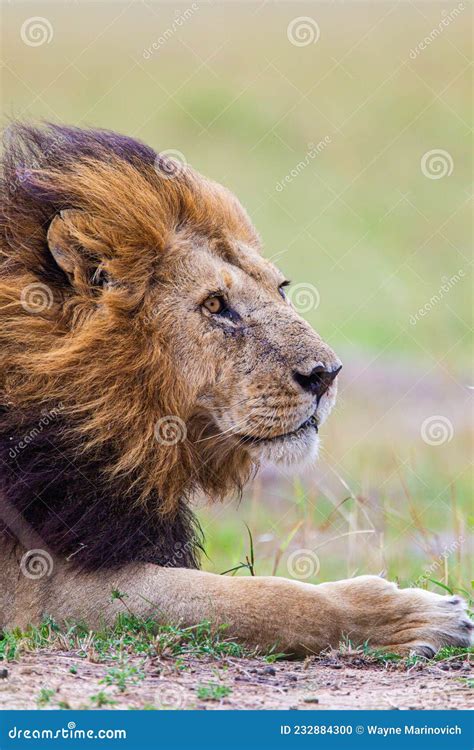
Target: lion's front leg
{"type": "Point", "coordinates": [301, 618]}
{"type": "Point", "coordinates": [265, 612]}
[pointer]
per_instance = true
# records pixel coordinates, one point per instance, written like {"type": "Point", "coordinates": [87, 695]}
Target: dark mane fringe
{"type": "Point", "coordinates": [79, 515]}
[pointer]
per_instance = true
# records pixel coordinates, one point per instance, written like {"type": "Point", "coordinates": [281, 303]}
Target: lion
{"type": "Point", "coordinates": [148, 352]}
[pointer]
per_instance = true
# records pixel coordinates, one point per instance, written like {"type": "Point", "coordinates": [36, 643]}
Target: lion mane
{"type": "Point", "coordinates": [81, 385]}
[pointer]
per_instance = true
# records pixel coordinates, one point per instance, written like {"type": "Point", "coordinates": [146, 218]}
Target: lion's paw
{"type": "Point", "coordinates": [422, 622]}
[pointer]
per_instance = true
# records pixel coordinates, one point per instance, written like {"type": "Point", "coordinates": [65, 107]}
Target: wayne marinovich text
{"type": "Point", "coordinates": [412, 729]}
{"type": "Point", "coordinates": [383, 731]}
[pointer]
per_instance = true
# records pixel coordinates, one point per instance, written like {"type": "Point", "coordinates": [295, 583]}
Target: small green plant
{"type": "Point", "coordinates": [212, 691]}
{"type": "Point", "coordinates": [123, 676]}
{"type": "Point", "coordinates": [382, 657]}
{"type": "Point", "coordinates": [249, 560]}
{"type": "Point", "coordinates": [44, 696]}
{"type": "Point", "coordinates": [453, 652]}
{"type": "Point", "coordinates": [73, 669]}
{"type": "Point", "coordinates": [441, 585]}
{"type": "Point", "coordinates": [117, 595]}
{"type": "Point", "coordinates": [101, 699]}
{"type": "Point", "coordinates": [9, 644]}
{"type": "Point", "coordinates": [274, 655]}
{"type": "Point", "coordinates": [196, 640]}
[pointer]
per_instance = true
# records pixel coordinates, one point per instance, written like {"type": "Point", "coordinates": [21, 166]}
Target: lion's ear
{"type": "Point", "coordinates": [67, 240]}
{"type": "Point", "coordinates": [61, 243]}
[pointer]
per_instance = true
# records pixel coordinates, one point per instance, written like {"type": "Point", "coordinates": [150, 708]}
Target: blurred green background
{"type": "Point", "coordinates": [363, 222]}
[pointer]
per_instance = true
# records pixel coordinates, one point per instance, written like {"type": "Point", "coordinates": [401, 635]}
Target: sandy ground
{"type": "Point", "coordinates": [333, 682]}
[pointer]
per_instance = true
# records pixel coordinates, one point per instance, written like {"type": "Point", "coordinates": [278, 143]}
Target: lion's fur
{"type": "Point", "coordinates": [81, 364]}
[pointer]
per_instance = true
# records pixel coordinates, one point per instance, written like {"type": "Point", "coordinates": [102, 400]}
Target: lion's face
{"type": "Point", "coordinates": [262, 379]}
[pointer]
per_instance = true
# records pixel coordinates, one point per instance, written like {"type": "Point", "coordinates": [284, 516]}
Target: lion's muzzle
{"type": "Point", "coordinates": [319, 379]}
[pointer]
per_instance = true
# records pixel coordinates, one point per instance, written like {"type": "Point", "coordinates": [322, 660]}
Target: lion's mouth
{"type": "Point", "coordinates": [310, 423]}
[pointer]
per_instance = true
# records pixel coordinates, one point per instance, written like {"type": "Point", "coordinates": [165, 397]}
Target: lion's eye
{"type": "Point", "coordinates": [215, 305]}
{"type": "Point", "coordinates": [282, 286]}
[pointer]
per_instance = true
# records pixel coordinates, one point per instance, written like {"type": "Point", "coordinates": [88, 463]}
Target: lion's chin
{"type": "Point", "coordinates": [289, 450]}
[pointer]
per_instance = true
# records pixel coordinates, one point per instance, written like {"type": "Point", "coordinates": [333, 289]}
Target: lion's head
{"type": "Point", "coordinates": [135, 296]}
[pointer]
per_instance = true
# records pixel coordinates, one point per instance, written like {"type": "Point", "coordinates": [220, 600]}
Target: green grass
{"type": "Point", "coordinates": [101, 699]}
{"type": "Point", "coordinates": [453, 652]}
{"type": "Point", "coordinates": [212, 692]}
{"type": "Point", "coordinates": [44, 697]}
{"type": "Point", "coordinates": [446, 654]}
{"type": "Point", "coordinates": [130, 636]}
{"type": "Point", "coordinates": [123, 676]}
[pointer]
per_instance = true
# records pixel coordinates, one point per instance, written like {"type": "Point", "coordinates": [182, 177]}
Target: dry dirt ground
{"type": "Point", "coordinates": [44, 680]}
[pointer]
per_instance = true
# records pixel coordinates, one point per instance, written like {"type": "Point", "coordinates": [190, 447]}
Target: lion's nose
{"type": "Point", "coordinates": [318, 380]}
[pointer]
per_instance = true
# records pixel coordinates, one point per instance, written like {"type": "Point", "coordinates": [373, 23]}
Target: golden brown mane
{"type": "Point", "coordinates": [85, 351]}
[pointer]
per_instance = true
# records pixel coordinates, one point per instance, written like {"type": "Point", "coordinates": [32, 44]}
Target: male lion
{"type": "Point", "coordinates": [147, 351]}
